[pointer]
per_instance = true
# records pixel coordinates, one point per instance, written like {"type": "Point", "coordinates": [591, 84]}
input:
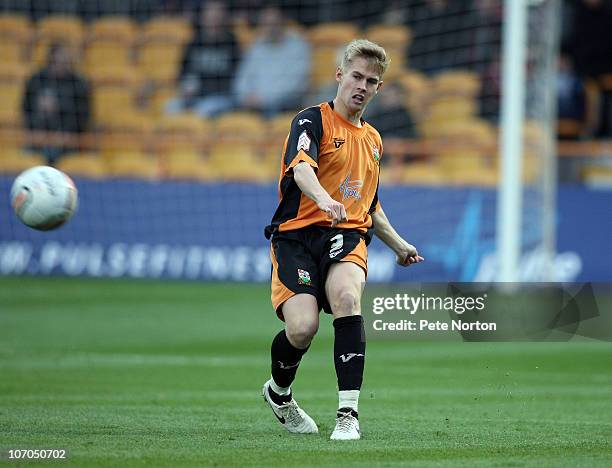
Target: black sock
{"type": "Point", "coordinates": [349, 351]}
{"type": "Point", "coordinates": [285, 360]}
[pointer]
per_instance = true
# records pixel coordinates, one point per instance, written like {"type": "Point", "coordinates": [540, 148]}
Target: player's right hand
{"type": "Point", "coordinates": [334, 210]}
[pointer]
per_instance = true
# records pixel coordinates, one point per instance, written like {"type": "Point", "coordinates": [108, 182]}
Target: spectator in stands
{"type": "Point", "coordinates": [571, 99]}
{"type": "Point", "coordinates": [392, 119]}
{"type": "Point", "coordinates": [56, 99]}
{"type": "Point", "coordinates": [273, 75]}
{"type": "Point", "coordinates": [389, 114]}
{"type": "Point", "coordinates": [208, 66]}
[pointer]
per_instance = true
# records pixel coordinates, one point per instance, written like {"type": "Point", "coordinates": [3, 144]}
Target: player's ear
{"type": "Point", "coordinates": [339, 74]}
{"type": "Point", "coordinates": [380, 83]}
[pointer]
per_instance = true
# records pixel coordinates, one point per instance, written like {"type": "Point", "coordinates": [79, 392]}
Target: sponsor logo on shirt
{"type": "Point", "coordinates": [350, 188]}
{"type": "Point", "coordinates": [338, 142]}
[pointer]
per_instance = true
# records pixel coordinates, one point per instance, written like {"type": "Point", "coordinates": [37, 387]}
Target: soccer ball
{"type": "Point", "coordinates": [44, 198]}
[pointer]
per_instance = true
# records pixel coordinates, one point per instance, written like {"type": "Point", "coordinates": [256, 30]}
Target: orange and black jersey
{"type": "Point", "coordinates": [346, 160]}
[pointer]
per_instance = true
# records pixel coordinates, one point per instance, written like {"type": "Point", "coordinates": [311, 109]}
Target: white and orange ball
{"type": "Point", "coordinates": [44, 198]}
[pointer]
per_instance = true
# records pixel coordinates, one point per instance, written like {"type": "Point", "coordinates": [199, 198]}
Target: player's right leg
{"type": "Point", "coordinates": [301, 315]}
{"type": "Point", "coordinates": [295, 284]}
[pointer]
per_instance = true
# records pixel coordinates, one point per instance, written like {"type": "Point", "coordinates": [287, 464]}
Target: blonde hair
{"type": "Point", "coordinates": [368, 50]}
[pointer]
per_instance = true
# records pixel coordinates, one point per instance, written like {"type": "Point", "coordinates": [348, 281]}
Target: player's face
{"type": "Point", "coordinates": [359, 83]}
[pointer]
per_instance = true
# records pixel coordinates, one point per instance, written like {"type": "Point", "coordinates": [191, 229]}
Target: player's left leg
{"type": "Point", "coordinates": [343, 286]}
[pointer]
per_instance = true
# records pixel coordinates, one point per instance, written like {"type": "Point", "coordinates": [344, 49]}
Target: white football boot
{"type": "Point", "coordinates": [290, 414]}
{"type": "Point", "coordinates": [347, 425]}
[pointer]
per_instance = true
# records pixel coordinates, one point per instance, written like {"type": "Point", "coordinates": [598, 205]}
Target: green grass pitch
{"type": "Point", "coordinates": [130, 373]}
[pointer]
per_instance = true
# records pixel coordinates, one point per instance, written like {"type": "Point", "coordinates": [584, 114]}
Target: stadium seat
{"type": "Point", "coordinates": [171, 28]}
{"type": "Point", "coordinates": [14, 161]}
{"type": "Point", "coordinates": [180, 141]}
{"type": "Point", "coordinates": [236, 162]}
{"type": "Point", "coordinates": [110, 44]}
{"type": "Point", "coordinates": [134, 165]}
{"type": "Point", "coordinates": [67, 29]}
{"type": "Point", "coordinates": [114, 91]}
{"type": "Point", "coordinates": [186, 165]}
{"type": "Point", "coordinates": [160, 60]}
{"type": "Point", "coordinates": [395, 38]}
{"type": "Point", "coordinates": [161, 48]}
{"type": "Point", "coordinates": [11, 138]}
{"type": "Point", "coordinates": [327, 40]}
{"type": "Point", "coordinates": [456, 83]}
{"type": "Point", "coordinates": [12, 83]}
{"type": "Point", "coordinates": [160, 96]}
{"type": "Point", "coordinates": [88, 165]}
{"type": "Point", "coordinates": [417, 91]}
{"type": "Point", "coordinates": [16, 34]}
{"type": "Point", "coordinates": [332, 34]}
{"type": "Point", "coordinates": [244, 127]}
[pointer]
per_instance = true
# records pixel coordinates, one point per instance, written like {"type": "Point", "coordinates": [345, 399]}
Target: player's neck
{"type": "Point", "coordinates": [341, 109]}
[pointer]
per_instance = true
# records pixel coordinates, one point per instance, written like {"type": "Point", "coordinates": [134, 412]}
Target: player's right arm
{"type": "Point", "coordinates": [307, 181]}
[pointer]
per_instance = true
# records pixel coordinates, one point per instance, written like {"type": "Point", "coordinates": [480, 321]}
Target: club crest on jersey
{"type": "Point", "coordinates": [350, 188]}
{"type": "Point", "coordinates": [375, 153]}
{"type": "Point", "coordinates": [303, 277]}
{"type": "Point", "coordinates": [303, 141]}
{"type": "Point", "coordinates": [338, 142]}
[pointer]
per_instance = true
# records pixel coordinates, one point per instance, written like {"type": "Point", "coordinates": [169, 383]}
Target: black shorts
{"type": "Point", "coordinates": [301, 260]}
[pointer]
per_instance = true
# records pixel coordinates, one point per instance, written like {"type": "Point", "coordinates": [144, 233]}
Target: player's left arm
{"type": "Point", "coordinates": [406, 253]}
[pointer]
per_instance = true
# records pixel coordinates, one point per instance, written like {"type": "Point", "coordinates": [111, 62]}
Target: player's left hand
{"type": "Point", "coordinates": [407, 254]}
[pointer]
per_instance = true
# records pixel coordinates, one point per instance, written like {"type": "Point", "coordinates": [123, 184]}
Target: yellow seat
{"type": "Point", "coordinates": [238, 127]}
{"type": "Point", "coordinates": [58, 28]}
{"type": "Point", "coordinates": [181, 142]}
{"type": "Point", "coordinates": [417, 89]}
{"type": "Point", "coordinates": [114, 92]}
{"type": "Point", "coordinates": [422, 173]}
{"type": "Point", "coordinates": [332, 34]}
{"type": "Point", "coordinates": [16, 34]}
{"type": "Point", "coordinates": [12, 88]}
{"type": "Point", "coordinates": [327, 40]}
{"type": "Point", "coordinates": [452, 108]}
{"type": "Point", "coordinates": [169, 28]}
{"type": "Point", "coordinates": [186, 165]}
{"type": "Point", "coordinates": [395, 38]}
{"type": "Point", "coordinates": [116, 142]}
{"type": "Point", "coordinates": [134, 164]}
{"type": "Point", "coordinates": [88, 165]}
{"type": "Point", "coordinates": [236, 162]}
{"type": "Point", "coordinates": [160, 61]}
{"type": "Point", "coordinates": [456, 83]}
{"type": "Point", "coordinates": [110, 44]}
{"type": "Point", "coordinates": [162, 44]}
{"type": "Point", "coordinates": [14, 161]}
{"type": "Point", "coordinates": [11, 138]}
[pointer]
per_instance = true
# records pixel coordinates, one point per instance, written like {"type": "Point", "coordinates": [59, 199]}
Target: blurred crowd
{"type": "Point", "coordinates": [258, 56]}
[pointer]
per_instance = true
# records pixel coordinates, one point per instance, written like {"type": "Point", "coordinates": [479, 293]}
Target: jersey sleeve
{"type": "Point", "coordinates": [304, 139]}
